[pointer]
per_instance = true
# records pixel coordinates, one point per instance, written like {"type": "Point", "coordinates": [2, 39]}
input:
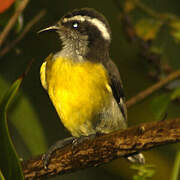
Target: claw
{"type": "Point", "coordinates": [58, 145]}
{"type": "Point", "coordinates": [62, 143]}
{"type": "Point", "coordinates": [81, 139]}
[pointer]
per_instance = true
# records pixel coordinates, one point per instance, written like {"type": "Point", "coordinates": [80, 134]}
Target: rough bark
{"type": "Point", "coordinates": [106, 148]}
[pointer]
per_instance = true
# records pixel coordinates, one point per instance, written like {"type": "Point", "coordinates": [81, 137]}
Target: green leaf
{"type": "Point", "coordinates": [159, 105]}
{"type": "Point", "coordinates": [20, 23]}
{"type": "Point", "coordinates": [176, 168]}
{"type": "Point", "coordinates": [144, 171]}
{"type": "Point", "coordinates": [28, 126]}
{"type": "Point", "coordinates": [176, 93]}
{"type": "Point", "coordinates": [176, 35]}
{"type": "Point", "coordinates": [25, 125]}
{"type": "Point", "coordinates": [1, 176]}
{"type": "Point", "coordinates": [175, 30]}
{"type": "Point", "coordinates": [147, 28]}
{"type": "Point", "coordinates": [10, 164]}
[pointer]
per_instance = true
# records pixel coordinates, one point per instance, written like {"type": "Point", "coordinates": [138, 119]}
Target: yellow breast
{"type": "Point", "coordinates": [79, 91]}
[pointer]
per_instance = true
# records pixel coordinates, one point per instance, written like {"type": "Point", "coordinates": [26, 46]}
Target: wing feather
{"type": "Point", "coordinates": [116, 86]}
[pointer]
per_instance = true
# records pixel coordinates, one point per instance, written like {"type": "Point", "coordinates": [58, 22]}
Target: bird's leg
{"type": "Point", "coordinates": [81, 139]}
{"type": "Point", "coordinates": [58, 145]}
{"type": "Point", "coordinates": [62, 143]}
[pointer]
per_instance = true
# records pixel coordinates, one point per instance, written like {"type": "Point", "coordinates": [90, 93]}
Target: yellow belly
{"type": "Point", "coordinates": [79, 92]}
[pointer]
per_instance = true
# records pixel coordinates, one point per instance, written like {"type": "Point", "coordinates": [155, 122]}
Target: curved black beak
{"type": "Point", "coordinates": [49, 28]}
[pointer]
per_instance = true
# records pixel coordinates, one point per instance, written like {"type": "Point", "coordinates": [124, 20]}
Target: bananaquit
{"type": "Point", "coordinates": [82, 81]}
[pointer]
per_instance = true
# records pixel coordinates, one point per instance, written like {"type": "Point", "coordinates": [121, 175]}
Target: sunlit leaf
{"type": "Point", "coordinates": [144, 171]}
{"type": "Point", "coordinates": [176, 93]}
{"type": "Point", "coordinates": [147, 28]}
{"type": "Point", "coordinates": [10, 164]}
{"type": "Point", "coordinates": [159, 105]}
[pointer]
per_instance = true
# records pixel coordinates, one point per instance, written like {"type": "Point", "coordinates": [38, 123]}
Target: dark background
{"type": "Point", "coordinates": [33, 121]}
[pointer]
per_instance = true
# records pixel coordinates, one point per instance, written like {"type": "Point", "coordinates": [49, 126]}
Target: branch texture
{"type": "Point", "coordinates": [147, 92]}
{"type": "Point", "coordinates": [29, 25]}
{"type": "Point", "coordinates": [12, 21]}
{"type": "Point", "coordinates": [106, 148]}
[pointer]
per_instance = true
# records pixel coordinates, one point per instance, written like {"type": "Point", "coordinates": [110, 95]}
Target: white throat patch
{"type": "Point", "coordinates": [96, 22]}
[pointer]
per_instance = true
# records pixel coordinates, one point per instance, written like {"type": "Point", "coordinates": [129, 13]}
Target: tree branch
{"type": "Point", "coordinates": [145, 93]}
{"type": "Point", "coordinates": [105, 148]}
{"type": "Point", "coordinates": [12, 21]}
{"type": "Point", "coordinates": [26, 29]}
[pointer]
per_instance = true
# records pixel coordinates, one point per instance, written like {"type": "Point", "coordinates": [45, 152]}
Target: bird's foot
{"type": "Point", "coordinates": [58, 145]}
{"type": "Point", "coordinates": [81, 139]}
{"type": "Point", "coordinates": [62, 143]}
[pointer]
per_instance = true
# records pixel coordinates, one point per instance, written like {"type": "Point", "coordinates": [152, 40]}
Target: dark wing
{"type": "Point", "coordinates": [116, 85]}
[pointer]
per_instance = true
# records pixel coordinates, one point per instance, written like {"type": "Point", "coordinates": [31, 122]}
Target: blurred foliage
{"type": "Point", "coordinates": [175, 31]}
{"type": "Point", "coordinates": [20, 20]}
{"type": "Point", "coordinates": [1, 176]}
{"type": "Point", "coordinates": [176, 169]}
{"type": "Point", "coordinates": [160, 105]}
{"type": "Point", "coordinates": [10, 164]}
{"type": "Point", "coordinates": [150, 54]}
{"type": "Point", "coordinates": [176, 93]}
{"type": "Point", "coordinates": [7, 9]}
{"type": "Point", "coordinates": [26, 126]}
{"type": "Point", "coordinates": [144, 172]}
{"type": "Point", "coordinates": [147, 28]}
{"type": "Point", "coordinates": [5, 4]}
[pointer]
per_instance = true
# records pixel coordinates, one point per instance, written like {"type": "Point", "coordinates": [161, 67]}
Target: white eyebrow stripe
{"type": "Point", "coordinates": [99, 24]}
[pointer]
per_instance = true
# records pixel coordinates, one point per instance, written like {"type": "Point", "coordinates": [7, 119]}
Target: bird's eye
{"type": "Point", "coordinates": [75, 25]}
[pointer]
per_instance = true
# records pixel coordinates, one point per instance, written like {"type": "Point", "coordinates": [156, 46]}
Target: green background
{"type": "Point", "coordinates": [34, 124]}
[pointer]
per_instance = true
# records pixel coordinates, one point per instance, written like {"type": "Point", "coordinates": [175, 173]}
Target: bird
{"type": "Point", "coordinates": [82, 81]}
